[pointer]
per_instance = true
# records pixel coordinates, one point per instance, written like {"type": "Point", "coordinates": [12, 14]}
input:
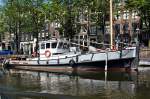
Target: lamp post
{"type": "Point", "coordinates": [137, 35]}
{"type": "Point", "coordinates": [137, 44]}
{"type": "Point", "coordinates": [138, 18]}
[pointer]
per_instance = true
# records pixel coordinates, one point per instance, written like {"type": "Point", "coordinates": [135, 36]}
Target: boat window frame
{"type": "Point", "coordinates": [65, 45]}
{"type": "Point", "coordinates": [60, 45]}
{"type": "Point", "coordinates": [54, 43]}
{"type": "Point", "coordinates": [42, 46]}
{"type": "Point", "coordinates": [48, 46]}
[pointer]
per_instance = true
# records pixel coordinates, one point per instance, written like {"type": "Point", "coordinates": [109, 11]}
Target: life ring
{"type": "Point", "coordinates": [114, 48]}
{"type": "Point", "coordinates": [47, 53]}
{"type": "Point", "coordinates": [34, 54]}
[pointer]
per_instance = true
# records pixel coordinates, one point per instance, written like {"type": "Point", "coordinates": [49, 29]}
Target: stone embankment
{"type": "Point", "coordinates": [144, 53]}
{"type": "Point", "coordinates": [144, 56]}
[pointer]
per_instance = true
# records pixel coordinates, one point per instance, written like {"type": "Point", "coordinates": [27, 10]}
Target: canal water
{"type": "Point", "coordinates": [19, 84]}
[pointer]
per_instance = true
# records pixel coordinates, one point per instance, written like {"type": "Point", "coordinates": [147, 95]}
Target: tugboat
{"type": "Point", "coordinates": [58, 53]}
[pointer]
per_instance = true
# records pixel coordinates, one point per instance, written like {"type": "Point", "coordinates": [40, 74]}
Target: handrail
{"type": "Point", "coordinates": [94, 42]}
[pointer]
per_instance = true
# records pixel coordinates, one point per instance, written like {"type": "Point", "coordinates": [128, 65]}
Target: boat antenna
{"type": "Point", "coordinates": [111, 26]}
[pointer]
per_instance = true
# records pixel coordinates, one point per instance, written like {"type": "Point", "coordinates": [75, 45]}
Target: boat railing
{"type": "Point", "coordinates": [98, 45]}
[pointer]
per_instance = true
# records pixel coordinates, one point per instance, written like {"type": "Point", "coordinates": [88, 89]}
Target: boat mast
{"type": "Point", "coordinates": [111, 26]}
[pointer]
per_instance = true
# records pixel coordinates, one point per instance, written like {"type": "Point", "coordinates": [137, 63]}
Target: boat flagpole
{"type": "Point", "coordinates": [111, 26]}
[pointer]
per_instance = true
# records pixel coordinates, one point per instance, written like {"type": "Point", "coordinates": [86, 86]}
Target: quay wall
{"type": "Point", "coordinates": [144, 53]}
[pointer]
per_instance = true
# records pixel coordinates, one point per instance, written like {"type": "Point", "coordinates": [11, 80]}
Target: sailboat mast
{"type": "Point", "coordinates": [111, 26]}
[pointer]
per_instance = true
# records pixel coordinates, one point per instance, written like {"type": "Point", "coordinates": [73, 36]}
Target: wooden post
{"type": "Point", "coordinates": [106, 60]}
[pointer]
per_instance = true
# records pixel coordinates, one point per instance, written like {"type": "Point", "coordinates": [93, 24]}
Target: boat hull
{"type": "Point", "coordinates": [110, 59]}
{"type": "Point", "coordinates": [118, 63]}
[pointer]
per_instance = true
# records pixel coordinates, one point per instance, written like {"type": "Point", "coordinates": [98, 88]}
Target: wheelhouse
{"type": "Point", "coordinates": [52, 47]}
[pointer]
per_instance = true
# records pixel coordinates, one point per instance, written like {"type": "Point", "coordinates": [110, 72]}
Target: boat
{"type": "Point", "coordinates": [58, 53]}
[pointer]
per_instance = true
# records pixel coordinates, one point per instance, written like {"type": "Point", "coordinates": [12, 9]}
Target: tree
{"type": "Point", "coordinates": [28, 16]}
{"type": "Point", "coordinates": [12, 12]}
{"type": "Point", "coordinates": [143, 9]}
{"type": "Point", "coordinates": [37, 16]}
{"type": "Point", "coordinates": [23, 16]}
{"type": "Point", "coordinates": [2, 21]}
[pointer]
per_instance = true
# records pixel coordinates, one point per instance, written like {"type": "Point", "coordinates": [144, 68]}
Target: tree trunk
{"type": "Point", "coordinates": [130, 24]}
{"type": "Point", "coordinates": [17, 38]}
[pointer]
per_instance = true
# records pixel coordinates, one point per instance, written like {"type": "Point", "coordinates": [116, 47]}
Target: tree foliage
{"type": "Point", "coordinates": [143, 9]}
{"type": "Point", "coordinates": [28, 16]}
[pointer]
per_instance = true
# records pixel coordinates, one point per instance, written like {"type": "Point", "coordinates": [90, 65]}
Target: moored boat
{"type": "Point", "coordinates": [58, 53]}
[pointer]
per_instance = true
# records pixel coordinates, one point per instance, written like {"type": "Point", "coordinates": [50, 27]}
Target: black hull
{"type": "Point", "coordinates": [119, 63]}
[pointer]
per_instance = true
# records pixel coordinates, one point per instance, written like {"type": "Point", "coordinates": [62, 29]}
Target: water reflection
{"type": "Point", "coordinates": [79, 85]}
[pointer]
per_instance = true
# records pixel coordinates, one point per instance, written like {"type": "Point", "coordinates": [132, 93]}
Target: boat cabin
{"type": "Point", "coordinates": [52, 47]}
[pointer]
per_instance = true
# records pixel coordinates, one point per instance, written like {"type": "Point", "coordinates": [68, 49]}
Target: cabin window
{"type": "Point", "coordinates": [54, 45]}
{"type": "Point", "coordinates": [47, 45]}
{"type": "Point", "coordinates": [60, 45]}
{"type": "Point", "coordinates": [65, 45]}
{"type": "Point", "coordinates": [43, 46]}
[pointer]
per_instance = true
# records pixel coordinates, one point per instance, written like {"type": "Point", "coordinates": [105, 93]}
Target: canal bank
{"type": "Point", "coordinates": [144, 57]}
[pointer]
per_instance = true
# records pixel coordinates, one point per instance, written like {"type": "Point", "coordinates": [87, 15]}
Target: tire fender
{"type": "Point", "coordinates": [72, 63]}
